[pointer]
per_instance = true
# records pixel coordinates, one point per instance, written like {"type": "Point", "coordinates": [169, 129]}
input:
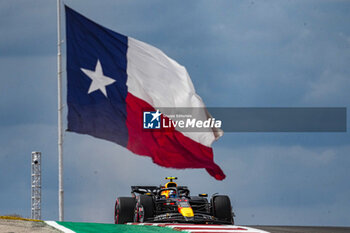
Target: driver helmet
{"type": "Point", "coordinates": [172, 193]}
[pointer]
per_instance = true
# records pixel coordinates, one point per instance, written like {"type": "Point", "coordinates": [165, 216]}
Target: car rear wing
{"type": "Point", "coordinates": [150, 190]}
{"type": "Point", "coordinates": [144, 189]}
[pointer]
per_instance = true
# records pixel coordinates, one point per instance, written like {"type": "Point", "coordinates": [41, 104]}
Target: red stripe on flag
{"type": "Point", "coordinates": [168, 148]}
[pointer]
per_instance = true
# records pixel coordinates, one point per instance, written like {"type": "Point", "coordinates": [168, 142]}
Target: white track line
{"type": "Point", "coordinates": [59, 227]}
{"type": "Point", "coordinates": [144, 224]}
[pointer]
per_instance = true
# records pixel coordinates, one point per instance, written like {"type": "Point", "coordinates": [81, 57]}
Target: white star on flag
{"type": "Point", "coordinates": [99, 80]}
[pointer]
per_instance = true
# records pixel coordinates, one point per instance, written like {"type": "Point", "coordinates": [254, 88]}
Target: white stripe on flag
{"type": "Point", "coordinates": [163, 83]}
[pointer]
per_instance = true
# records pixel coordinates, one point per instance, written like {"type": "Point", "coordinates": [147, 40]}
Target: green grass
{"type": "Point", "coordinates": [81, 227]}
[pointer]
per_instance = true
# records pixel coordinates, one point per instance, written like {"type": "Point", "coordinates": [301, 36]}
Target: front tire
{"type": "Point", "coordinates": [124, 210]}
{"type": "Point", "coordinates": [221, 208]}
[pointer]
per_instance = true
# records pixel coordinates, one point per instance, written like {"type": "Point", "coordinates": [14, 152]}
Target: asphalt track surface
{"type": "Point", "coordinates": [303, 229]}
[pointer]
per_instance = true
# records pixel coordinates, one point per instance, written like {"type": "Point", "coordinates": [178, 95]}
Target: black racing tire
{"type": "Point", "coordinates": [124, 210]}
{"type": "Point", "coordinates": [221, 207]}
{"type": "Point", "coordinates": [148, 206]}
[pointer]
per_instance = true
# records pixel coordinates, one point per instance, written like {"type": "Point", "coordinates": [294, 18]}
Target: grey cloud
{"type": "Point", "coordinates": [27, 28]}
{"type": "Point", "coordinates": [27, 92]}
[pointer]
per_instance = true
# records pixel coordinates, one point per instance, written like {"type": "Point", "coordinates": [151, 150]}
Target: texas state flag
{"type": "Point", "coordinates": [113, 79]}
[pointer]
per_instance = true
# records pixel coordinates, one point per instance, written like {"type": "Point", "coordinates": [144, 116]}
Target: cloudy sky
{"type": "Point", "coordinates": [239, 54]}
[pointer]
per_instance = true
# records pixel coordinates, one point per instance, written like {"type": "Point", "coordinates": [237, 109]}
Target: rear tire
{"type": "Point", "coordinates": [146, 205]}
{"type": "Point", "coordinates": [221, 208]}
{"type": "Point", "coordinates": [124, 210]}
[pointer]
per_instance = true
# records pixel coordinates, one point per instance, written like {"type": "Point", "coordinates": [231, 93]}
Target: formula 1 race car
{"type": "Point", "coordinates": [172, 203]}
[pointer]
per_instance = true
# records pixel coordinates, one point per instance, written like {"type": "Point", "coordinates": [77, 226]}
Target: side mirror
{"type": "Point", "coordinates": [203, 195]}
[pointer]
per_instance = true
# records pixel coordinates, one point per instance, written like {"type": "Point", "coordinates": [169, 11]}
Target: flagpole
{"type": "Point", "coordinates": [60, 134]}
